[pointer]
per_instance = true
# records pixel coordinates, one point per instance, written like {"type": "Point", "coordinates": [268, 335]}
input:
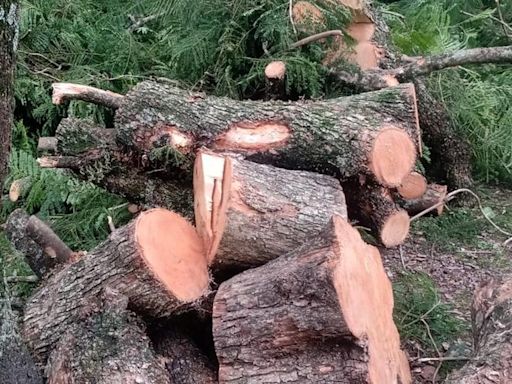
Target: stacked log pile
{"type": "Point", "coordinates": [290, 290]}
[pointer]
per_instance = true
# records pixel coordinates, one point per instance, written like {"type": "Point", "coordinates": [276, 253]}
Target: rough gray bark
{"type": "Point", "coordinates": [271, 211]}
{"type": "Point", "coordinates": [92, 154]}
{"type": "Point", "coordinates": [42, 248]}
{"type": "Point", "coordinates": [334, 136]}
{"type": "Point", "coordinates": [491, 315]}
{"type": "Point", "coordinates": [16, 364]}
{"type": "Point", "coordinates": [185, 362]}
{"type": "Point", "coordinates": [117, 262]}
{"type": "Point", "coordinates": [9, 31]}
{"type": "Point", "coordinates": [285, 321]}
{"type": "Point", "coordinates": [108, 346]}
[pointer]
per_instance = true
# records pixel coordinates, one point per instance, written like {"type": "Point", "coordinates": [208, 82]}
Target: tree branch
{"type": "Point", "coordinates": [67, 91]}
{"type": "Point", "coordinates": [421, 66]}
{"type": "Point", "coordinates": [313, 38]}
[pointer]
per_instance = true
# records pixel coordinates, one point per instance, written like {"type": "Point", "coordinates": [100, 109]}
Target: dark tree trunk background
{"type": "Point", "coordinates": [8, 44]}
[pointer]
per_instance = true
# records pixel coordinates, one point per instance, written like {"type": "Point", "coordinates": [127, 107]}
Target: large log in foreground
{"type": "Point", "coordinates": [157, 261]}
{"type": "Point", "coordinates": [374, 133]}
{"type": "Point", "coordinates": [320, 314]}
{"type": "Point", "coordinates": [491, 315]}
{"type": "Point", "coordinates": [248, 214]}
{"type": "Point", "coordinates": [108, 346]}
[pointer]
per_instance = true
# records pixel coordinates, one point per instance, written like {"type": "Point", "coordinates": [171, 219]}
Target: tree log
{"type": "Point", "coordinates": [19, 188]}
{"type": "Point", "coordinates": [345, 136]}
{"type": "Point", "coordinates": [42, 248]}
{"type": "Point", "coordinates": [63, 92]}
{"type": "Point", "coordinates": [275, 73]}
{"type": "Point", "coordinates": [435, 194]}
{"type": "Point", "coordinates": [491, 316]}
{"type": "Point", "coordinates": [9, 34]}
{"type": "Point", "coordinates": [185, 362]}
{"type": "Point", "coordinates": [157, 261]}
{"type": "Point", "coordinates": [413, 186]}
{"type": "Point", "coordinates": [109, 346]}
{"type": "Point", "coordinates": [248, 214]}
{"type": "Point", "coordinates": [373, 206]}
{"type": "Point", "coordinates": [319, 314]}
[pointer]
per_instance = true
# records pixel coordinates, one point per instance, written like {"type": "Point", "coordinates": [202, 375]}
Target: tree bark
{"type": "Point", "coordinates": [373, 206]}
{"type": "Point", "coordinates": [345, 136]}
{"type": "Point", "coordinates": [320, 314]}
{"type": "Point", "coordinates": [248, 214]}
{"type": "Point", "coordinates": [491, 316]}
{"type": "Point", "coordinates": [131, 261]}
{"type": "Point", "coordinates": [16, 364]}
{"type": "Point", "coordinates": [109, 346]}
{"type": "Point", "coordinates": [9, 32]}
{"type": "Point", "coordinates": [92, 154]}
{"type": "Point", "coordinates": [42, 248]}
{"type": "Point", "coordinates": [185, 362]}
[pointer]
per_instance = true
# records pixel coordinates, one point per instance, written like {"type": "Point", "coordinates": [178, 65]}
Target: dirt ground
{"type": "Point", "coordinates": [456, 265]}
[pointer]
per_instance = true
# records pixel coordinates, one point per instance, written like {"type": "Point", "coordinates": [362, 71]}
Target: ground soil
{"type": "Point", "coordinates": [456, 267]}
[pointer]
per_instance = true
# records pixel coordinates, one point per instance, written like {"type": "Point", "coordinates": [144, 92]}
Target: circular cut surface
{"type": "Point", "coordinates": [413, 186]}
{"type": "Point", "coordinates": [172, 249]}
{"type": "Point", "coordinates": [396, 229]}
{"type": "Point", "coordinates": [275, 70]}
{"type": "Point", "coordinates": [392, 156]}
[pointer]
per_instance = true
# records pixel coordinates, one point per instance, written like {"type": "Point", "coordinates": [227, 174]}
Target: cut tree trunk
{"type": "Point", "coordinates": [9, 32]}
{"type": "Point", "coordinates": [248, 214]}
{"type": "Point", "coordinates": [109, 346]}
{"type": "Point", "coordinates": [373, 133]}
{"type": "Point", "coordinates": [319, 314]}
{"type": "Point", "coordinates": [275, 74]}
{"type": "Point", "coordinates": [157, 261]}
{"type": "Point", "coordinates": [372, 206]}
{"type": "Point", "coordinates": [435, 194]}
{"type": "Point", "coordinates": [185, 362]}
{"type": "Point", "coordinates": [492, 332]}
{"type": "Point", "coordinates": [19, 188]}
{"type": "Point", "coordinates": [413, 186]}
{"type": "Point", "coordinates": [42, 248]}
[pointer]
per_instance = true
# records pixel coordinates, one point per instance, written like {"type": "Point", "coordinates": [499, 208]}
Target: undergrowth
{"type": "Point", "coordinates": [77, 210]}
{"type": "Point", "coordinates": [419, 313]}
{"type": "Point", "coordinates": [478, 98]}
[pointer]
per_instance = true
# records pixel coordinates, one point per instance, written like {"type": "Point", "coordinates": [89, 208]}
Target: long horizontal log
{"type": "Point", "coordinates": [248, 214]}
{"type": "Point", "coordinates": [374, 133]}
{"type": "Point", "coordinates": [156, 260]}
{"type": "Point", "coordinates": [319, 314]}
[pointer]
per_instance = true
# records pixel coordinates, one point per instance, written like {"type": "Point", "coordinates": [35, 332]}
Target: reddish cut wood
{"type": "Point", "coordinates": [434, 194]}
{"type": "Point", "coordinates": [372, 206]}
{"type": "Point", "coordinates": [108, 346]}
{"type": "Point", "coordinates": [248, 214]}
{"type": "Point", "coordinates": [374, 133]}
{"type": "Point", "coordinates": [320, 314]}
{"type": "Point", "coordinates": [413, 186]}
{"type": "Point", "coordinates": [157, 261]}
